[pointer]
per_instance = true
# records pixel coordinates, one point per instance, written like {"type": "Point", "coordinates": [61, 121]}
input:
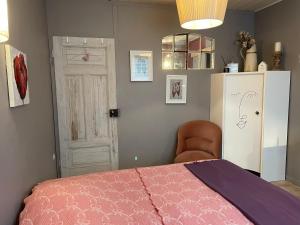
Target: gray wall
{"type": "Point", "coordinates": [147, 126]}
{"type": "Point", "coordinates": [26, 133]}
{"type": "Point", "coordinates": [281, 23]}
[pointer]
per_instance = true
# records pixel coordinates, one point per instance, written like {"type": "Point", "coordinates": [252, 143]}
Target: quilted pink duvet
{"type": "Point", "coordinates": [162, 195]}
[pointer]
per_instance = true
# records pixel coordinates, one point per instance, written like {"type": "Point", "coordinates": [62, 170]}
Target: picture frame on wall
{"type": "Point", "coordinates": [141, 65]}
{"type": "Point", "coordinates": [176, 89]}
{"type": "Point", "coordinates": [17, 77]}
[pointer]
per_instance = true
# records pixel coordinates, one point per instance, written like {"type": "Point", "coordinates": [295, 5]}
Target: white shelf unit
{"type": "Point", "coordinates": [252, 110]}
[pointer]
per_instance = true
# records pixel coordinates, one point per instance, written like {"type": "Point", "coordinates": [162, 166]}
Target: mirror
{"type": "Point", "coordinates": [179, 60]}
{"type": "Point", "coordinates": [207, 44]}
{"type": "Point", "coordinates": [194, 43]}
{"type": "Point", "coordinates": [180, 43]}
{"type": "Point", "coordinates": [188, 51]}
{"type": "Point", "coordinates": [167, 60]}
{"type": "Point", "coordinates": [168, 43]}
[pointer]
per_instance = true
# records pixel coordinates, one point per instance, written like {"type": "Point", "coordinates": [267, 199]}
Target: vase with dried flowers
{"type": "Point", "coordinates": [248, 51]}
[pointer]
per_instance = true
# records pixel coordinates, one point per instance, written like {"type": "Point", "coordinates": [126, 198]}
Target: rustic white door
{"type": "Point", "coordinates": [243, 120]}
{"type": "Point", "coordinates": [86, 89]}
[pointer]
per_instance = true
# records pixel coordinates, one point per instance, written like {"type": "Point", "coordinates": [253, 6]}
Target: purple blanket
{"type": "Point", "coordinates": [260, 201]}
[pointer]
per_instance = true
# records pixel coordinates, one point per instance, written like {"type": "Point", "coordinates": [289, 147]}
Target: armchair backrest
{"type": "Point", "coordinates": [200, 135]}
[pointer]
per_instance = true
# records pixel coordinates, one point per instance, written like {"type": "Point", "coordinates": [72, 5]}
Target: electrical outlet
{"type": "Point", "coordinates": [135, 158]}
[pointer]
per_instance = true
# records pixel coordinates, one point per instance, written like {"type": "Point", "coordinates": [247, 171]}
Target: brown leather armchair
{"type": "Point", "coordinates": [198, 140]}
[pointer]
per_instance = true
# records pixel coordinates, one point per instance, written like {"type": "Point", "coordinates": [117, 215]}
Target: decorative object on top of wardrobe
{"type": "Point", "coordinates": [4, 31]}
{"type": "Point", "coordinates": [248, 51]}
{"type": "Point", "coordinates": [201, 14]}
{"type": "Point", "coordinates": [17, 77]}
{"type": "Point", "coordinates": [231, 68]}
{"type": "Point", "coordinates": [262, 67]}
{"type": "Point", "coordinates": [277, 56]}
{"type": "Point", "coordinates": [176, 88]}
{"type": "Point", "coordinates": [188, 51]}
{"type": "Point", "coordinates": [141, 65]}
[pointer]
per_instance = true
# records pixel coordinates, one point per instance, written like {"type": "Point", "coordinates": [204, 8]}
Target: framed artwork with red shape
{"type": "Point", "coordinates": [17, 77]}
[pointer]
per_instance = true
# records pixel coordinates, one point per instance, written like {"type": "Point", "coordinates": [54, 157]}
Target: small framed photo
{"type": "Point", "coordinates": [141, 65]}
{"type": "Point", "coordinates": [176, 88]}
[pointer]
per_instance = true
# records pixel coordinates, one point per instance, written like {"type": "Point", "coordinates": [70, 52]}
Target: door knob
{"type": "Point", "coordinates": [257, 112]}
{"type": "Point", "coordinates": [114, 113]}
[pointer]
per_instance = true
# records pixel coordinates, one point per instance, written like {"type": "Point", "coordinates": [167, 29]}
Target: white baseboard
{"type": "Point", "coordinates": [293, 180]}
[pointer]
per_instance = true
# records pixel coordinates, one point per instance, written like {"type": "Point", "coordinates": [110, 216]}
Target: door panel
{"type": "Point", "coordinates": [78, 56]}
{"type": "Point", "coordinates": [75, 108]}
{"type": "Point", "coordinates": [86, 90]}
{"type": "Point", "coordinates": [96, 98]}
{"type": "Point", "coordinates": [243, 110]}
{"type": "Point", "coordinates": [91, 156]}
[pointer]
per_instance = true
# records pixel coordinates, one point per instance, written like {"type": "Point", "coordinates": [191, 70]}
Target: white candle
{"type": "Point", "coordinates": [277, 46]}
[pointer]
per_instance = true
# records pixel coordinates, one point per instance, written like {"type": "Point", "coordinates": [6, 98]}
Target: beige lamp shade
{"type": "Point", "coordinates": [201, 14]}
{"type": "Point", "coordinates": [4, 34]}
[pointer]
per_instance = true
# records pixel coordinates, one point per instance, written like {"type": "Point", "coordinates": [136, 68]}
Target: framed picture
{"type": "Point", "coordinates": [141, 65]}
{"type": "Point", "coordinates": [17, 77]}
{"type": "Point", "coordinates": [176, 87]}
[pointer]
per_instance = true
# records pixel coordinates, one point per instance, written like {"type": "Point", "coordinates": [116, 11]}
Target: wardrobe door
{"type": "Point", "coordinates": [242, 120]}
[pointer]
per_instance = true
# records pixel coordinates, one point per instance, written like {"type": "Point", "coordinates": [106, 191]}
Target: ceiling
{"type": "Point", "coordinates": [252, 5]}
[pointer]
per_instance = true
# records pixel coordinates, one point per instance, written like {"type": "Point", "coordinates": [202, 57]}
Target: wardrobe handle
{"type": "Point", "coordinates": [257, 112]}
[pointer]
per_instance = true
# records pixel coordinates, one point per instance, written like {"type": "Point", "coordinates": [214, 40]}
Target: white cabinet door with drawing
{"type": "Point", "coordinates": [243, 121]}
{"type": "Point", "coordinates": [85, 80]}
{"type": "Point", "coordinates": [252, 109]}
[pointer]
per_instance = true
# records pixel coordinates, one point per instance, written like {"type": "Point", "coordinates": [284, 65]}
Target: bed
{"type": "Point", "coordinates": [161, 195]}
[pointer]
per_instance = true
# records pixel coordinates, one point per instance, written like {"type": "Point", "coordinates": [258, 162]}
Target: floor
{"type": "Point", "coordinates": [288, 186]}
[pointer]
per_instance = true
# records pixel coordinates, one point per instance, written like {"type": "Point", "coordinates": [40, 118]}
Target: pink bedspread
{"type": "Point", "coordinates": [117, 198]}
{"type": "Point", "coordinates": [163, 195]}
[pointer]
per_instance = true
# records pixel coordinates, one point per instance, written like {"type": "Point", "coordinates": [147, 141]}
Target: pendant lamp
{"type": "Point", "coordinates": [4, 34]}
{"type": "Point", "coordinates": [201, 14]}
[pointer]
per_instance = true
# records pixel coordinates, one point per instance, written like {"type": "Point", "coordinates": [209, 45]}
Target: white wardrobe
{"type": "Point", "coordinates": [252, 110]}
